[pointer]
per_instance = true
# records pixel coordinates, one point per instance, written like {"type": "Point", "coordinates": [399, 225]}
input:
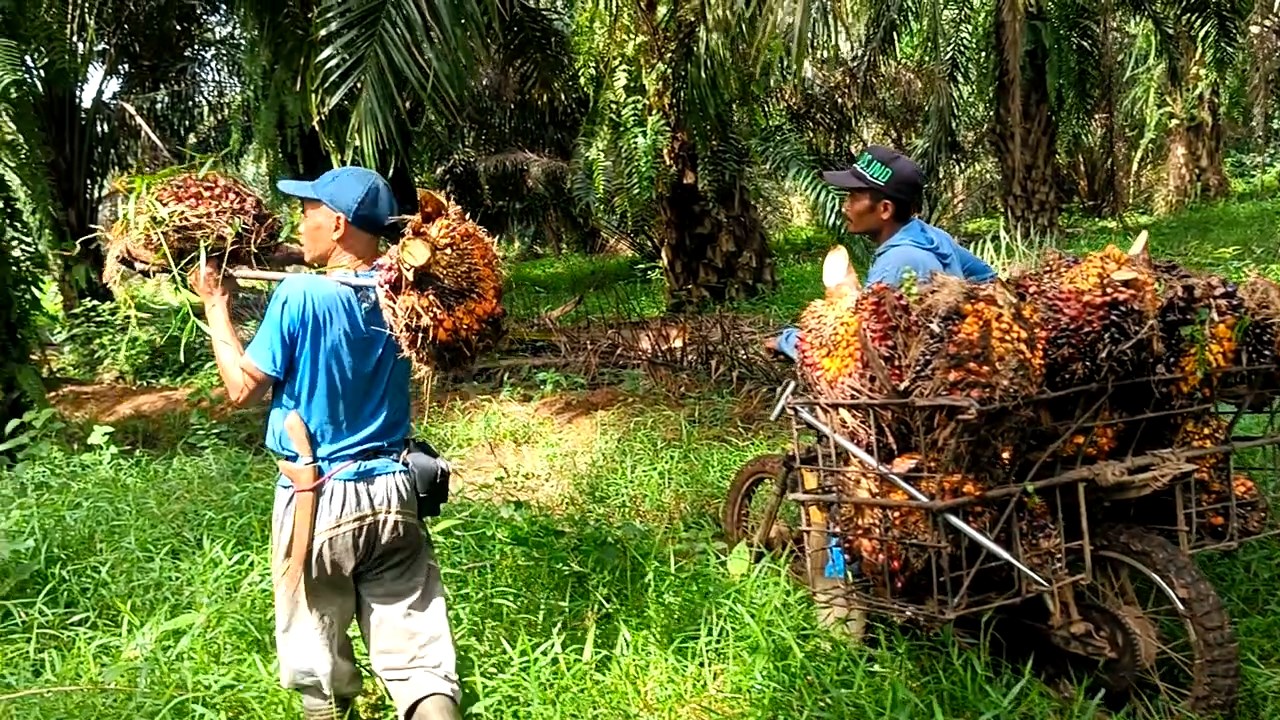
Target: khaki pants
{"type": "Point", "coordinates": [371, 560]}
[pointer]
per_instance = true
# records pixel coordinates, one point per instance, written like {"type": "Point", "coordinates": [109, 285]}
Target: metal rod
{"type": "Point", "coordinates": [911, 490]}
{"type": "Point", "coordinates": [276, 275]}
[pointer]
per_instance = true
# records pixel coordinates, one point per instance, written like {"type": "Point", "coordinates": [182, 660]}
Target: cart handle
{"type": "Point", "coordinates": [906, 487]}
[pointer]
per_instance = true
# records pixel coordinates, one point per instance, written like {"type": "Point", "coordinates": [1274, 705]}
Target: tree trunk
{"type": "Point", "coordinates": [1025, 131]}
{"type": "Point", "coordinates": [712, 251]}
{"type": "Point", "coordinates": [1194, 167]}
{"type": "Point", "coordinates": [1110, 190]}
{"type": "Point", "coordinates": [1264, 65]}
{"type": "Point", "coordinates": [72, 165]}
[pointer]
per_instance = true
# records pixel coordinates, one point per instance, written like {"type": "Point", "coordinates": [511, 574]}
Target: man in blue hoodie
{"type": "Point", "coordinates": [885, 192]}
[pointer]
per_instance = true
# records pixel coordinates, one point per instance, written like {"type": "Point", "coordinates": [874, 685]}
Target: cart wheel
{"type": "Point", "coordinates": [758, 476]}
{"type": "Point", "coordinates": [1170, 636]}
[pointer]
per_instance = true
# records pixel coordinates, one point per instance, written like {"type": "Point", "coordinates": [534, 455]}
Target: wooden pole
{"type": "Point", "coordinates": [276, 276]}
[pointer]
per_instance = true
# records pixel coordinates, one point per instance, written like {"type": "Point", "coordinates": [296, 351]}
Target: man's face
{"type": "Point", "coordinates": [318, 233]}
{"type": "Point", "coordinates": [863, 215]}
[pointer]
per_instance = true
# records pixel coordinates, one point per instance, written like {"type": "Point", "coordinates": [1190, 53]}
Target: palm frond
{"type": "Point", "coordinates": [384, 59]}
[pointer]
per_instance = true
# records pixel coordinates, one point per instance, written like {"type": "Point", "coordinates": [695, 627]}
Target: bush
{"type": "Point", "coordinates": [139, 341]}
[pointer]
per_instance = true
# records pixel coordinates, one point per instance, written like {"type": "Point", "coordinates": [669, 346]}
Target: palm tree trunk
{"type": "Point", "coordinates": [713, 250]}
{"type": "Point", "coordinates": [1195, 163]}
{"type": "Point", "coordinates": [1026, 130]}
{"type": "Point", "coordinates": [1111, 193]}
{"type": "Point", "coordinates": [71, 161]}
{"type": "Point", "coordinates": [302, 151]}
{"type": "Point", "coordinates": [1264, 65]}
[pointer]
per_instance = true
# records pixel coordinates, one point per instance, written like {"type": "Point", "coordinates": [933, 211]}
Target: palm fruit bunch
{"type": "Point", "coordinates": [1214, 499]}
{"type": "Point", "coordinates": [1200, 320]}
{"type": "Point", "coordinates": [889, 543]}
{"type": "Point", "coordinates": [1039, 534]}
{"type": "Point", "coordinates": [1201, 430]}
{"type": "Point", "coordinates": [440, 287]}
{"type": "Point", "coordinates": [1259, 341]}
{"type": "Point", "coordinates": [1099, 316]}
{"type": "Point", "coordinates": [837, 331]}
{"type": "Point", "coordinates": [978, 341]}
{"type": "Point", "coordinates": [1064, 320]}
{"type": "Point", "coordinates": [167, 220]}
{"type": "Point", "coordinates": [1095, 443]}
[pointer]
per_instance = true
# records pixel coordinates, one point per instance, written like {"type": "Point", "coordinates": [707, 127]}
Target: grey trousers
{"type": "Point", "coordinates": [371, 560]}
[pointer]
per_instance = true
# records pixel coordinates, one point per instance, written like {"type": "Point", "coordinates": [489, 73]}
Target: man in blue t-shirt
{"type": "Point", "coordinates": [885, 191]}
{"type": "Point", "coordinates": [325, 352]}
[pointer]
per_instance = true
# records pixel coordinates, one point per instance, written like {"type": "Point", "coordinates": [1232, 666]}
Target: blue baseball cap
{"type": "Point", "coordinates": [362, 195]}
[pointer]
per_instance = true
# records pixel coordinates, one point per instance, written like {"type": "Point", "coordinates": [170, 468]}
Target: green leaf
{"type": "Point", "coordinates": [739, 560]}
{"type": "Point", "coordinates": [100, 435]}
{"type": "Point", "coordinates": [445, 524]}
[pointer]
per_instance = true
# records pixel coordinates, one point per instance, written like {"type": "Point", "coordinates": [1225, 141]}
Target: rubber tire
{"type": "Point", "coordinates": [1217, 656]}
{"type": "Point", "coordinates": [757, 473]}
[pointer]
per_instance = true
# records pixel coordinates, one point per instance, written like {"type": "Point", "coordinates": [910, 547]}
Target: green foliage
{"type": "Point", "coordinates": [142, 340]}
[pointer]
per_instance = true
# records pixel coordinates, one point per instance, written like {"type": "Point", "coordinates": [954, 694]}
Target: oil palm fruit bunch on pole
{"type": "Point", "coordinates": [168, 219]}
{"type": "Point", "coordinates": [440, 287]}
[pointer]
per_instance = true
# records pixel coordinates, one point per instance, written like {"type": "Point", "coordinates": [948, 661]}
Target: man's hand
{"type": "Point", "coordinates": [212, 285]}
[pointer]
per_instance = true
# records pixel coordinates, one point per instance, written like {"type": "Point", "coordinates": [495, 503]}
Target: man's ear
{"type": "Point", "coordinates": [886, 210]}
{"type": "Point", "coordinates": [339, 226]}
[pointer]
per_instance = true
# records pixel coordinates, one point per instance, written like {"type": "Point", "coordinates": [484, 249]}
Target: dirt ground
{"type": "Point", "coordinates": [500, 468]}
{"type": "Point", "coordinates": [110, 403]}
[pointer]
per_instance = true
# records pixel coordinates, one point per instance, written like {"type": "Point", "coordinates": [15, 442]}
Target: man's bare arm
{"type": "Point", "coordinates": [245, 383]}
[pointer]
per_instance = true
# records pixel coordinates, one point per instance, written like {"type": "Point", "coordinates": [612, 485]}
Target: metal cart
{"type": "Point", "coordinates": [1084, 555]}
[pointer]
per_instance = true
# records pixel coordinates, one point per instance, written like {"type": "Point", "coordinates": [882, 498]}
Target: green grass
{"type": "Point", "coordinates": [146, 585]}
{"type": "Point", "coordinates": [584, 567]}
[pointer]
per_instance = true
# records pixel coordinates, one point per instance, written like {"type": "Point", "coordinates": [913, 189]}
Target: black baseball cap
{"type": "Point", "coordinates": [885, 170]}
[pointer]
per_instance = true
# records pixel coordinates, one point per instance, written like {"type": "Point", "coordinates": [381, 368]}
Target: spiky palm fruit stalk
{"type": "Point", "coordinates": [440, 287]}
{"type": "Point", "coordinates": [978, 341]}
{"type": "Point", "coordinates": [166, 221]}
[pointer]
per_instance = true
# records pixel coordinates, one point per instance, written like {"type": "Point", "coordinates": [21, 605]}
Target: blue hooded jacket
{"type": "Point", "coordinates": [921, 247]}
{"type": "Point", "coordinates": [924, 249]}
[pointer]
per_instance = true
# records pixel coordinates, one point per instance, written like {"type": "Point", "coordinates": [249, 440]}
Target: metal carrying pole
{"type": "Point", "coordinates": [870, 461]}
{"type": "Point", "coordinates": [276, 276]}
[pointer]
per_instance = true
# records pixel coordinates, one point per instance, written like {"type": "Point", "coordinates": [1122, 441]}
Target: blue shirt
{"type": "Point", "coordinates": [917, 246]}
{"type": "Point", "coordinates": [333, 360]}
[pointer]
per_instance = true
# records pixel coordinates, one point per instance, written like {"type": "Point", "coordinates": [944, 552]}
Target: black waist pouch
{"type": "Point", "coordinates": [430, 475]}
